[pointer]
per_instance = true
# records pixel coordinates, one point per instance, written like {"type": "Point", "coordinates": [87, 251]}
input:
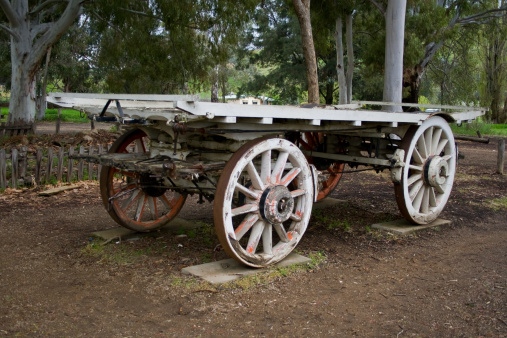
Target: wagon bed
{"type": "Point", "coordinates": [263, 166]}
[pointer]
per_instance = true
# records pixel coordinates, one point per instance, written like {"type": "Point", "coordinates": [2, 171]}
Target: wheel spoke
{"type": "Point", "coordinates": [433, 198]}
{"type": "Point", "coordinates": [291, 175]}
{"type": "Point", "coordinates": [266, 167]}
{"type": "Point", "coordinates": [140, 206]}
{"type": "Point", "coordinates": [267, 239]}
{"type": "Point", "coordinates": [295, 217]}
{"type": "Point", "coordinates": [425, 200]}
{"type": "Point", "coordinates": [436, 140]}
{"type": "Point", "coordinates": [297, 193]}
{"type": "Point", "coordinates": [279, 167]}
{"type": "Point", "coordinates": [130, 201]}
{"type": "Point", "coordinates": [139, 146]}
{"type": "Point", "coordinates": [441, 146]}
{"type": "Point", "coordinates": [246, 191]}
{"type": "Point", "coordinates": [254, 176]}
{"type": "Point", "coordinates": [414, 191]}
{"type": "Point", "coordinates": [421, 145]}
{"type": "Point", "coordinates": [255, 236]}
{"type": "Point", "coordinates": [418, 199]}
{"type": "Point", "coordinates": [439, 189]}
{"type": "Point", "coordinates": [244, 209]}
{"type": "Point", "coordinates": [247, 223]}
{"type": "Point", "coordinates": [280, 230]}
{"type": "Point", "coordinates": [417, 157]}
{"type": "Point", "coordinates": [428, 137]}
{"type": "Point", "coordinates": [153, 207]}
{"type": "Point", "coordinates": [413, 178]}
{"type": "Point", "coordinates": [415, 167]}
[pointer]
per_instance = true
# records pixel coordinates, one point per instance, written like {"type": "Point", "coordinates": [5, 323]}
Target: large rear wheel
{"type": "Point", "coordinates": [263, 201]}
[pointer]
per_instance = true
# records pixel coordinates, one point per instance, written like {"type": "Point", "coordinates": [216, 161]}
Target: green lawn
{"type": "Point", "coordinates": [68, 115]}
{"type": "Point", "coordinates": [484, 128]}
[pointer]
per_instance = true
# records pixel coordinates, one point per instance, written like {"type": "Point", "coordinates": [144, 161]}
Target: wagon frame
{"type": "Point", "coordinates": [263, 167]}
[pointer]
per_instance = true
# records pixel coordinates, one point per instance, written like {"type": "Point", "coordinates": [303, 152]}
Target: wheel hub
{"type": "Point", "coordinates": [276, 204]}
{"type": "Point", "coordinates": [151, 186]}
{"type": "Point", "coordinates": [436, 171]}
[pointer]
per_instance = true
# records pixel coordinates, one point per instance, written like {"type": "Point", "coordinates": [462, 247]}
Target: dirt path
{"type": "Point", "coordinates": [443, 282]}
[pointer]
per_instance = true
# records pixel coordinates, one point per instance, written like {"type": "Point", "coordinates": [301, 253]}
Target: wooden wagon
{"type": "Point", "coordinates": [263, 167]}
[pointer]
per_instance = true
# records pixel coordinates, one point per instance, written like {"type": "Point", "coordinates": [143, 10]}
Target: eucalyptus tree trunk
{"type": "Point", "coordinates": [29, 44]}
{"type": "Point", "coordinates": [395, 36]}
{"type": "Point", "coordinates": [340, 62]}
{"type": "Point", "coordinates": [344, 73]}
{"type": "Point", "coordinates": [302, 8]}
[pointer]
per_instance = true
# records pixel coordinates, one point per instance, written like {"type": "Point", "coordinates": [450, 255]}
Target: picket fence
{"type": "Point", "coordinates": [21, 167]}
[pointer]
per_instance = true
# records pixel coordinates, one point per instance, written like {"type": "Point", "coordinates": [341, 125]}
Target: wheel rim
{"type": "Point", "coordinates": [331, 173]}
{"type": "Point", "coordinates": [135, 201]}
{"type": "Point", "coordinates": [272, 217]}
{"type": "Point", "coordinates": [428, 175]}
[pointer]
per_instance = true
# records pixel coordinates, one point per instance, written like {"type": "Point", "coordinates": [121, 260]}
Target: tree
{"type": "Point", "coordinates": [395, 37]}
{"type": "Point", "coordinates": [32, 29]}
{"type": "Point", "coordinates": [302, 8]}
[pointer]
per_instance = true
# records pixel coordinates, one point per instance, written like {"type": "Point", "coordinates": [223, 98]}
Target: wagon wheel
{"type": "Point", "coordinates": [266, 224]}
{"type": "Point", "coordinates": [331, 170]}
{"type": "Point", "coordinates": [136, 201]}
{"type": "Point", "coordinates": [428, 175]}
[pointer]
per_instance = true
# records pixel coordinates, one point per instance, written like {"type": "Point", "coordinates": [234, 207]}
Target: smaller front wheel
{"type": "Point", "coordinates": [137, 202]}
{"type": "Point", "coordinates": [263, 201]}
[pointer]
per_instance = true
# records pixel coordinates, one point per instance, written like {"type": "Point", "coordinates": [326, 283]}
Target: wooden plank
{"type": "Point", "coordinates": [3, 169]}
{"type": "Point", "coordinates": [80, 165]}
{"type": "Point", "coordinates": [90, 164]}
{"type": "Point", "coordinates": [49, 167]}
{"type": "Point", "coordinates": [38, 166]}
{"type": "Point", "coordinates": [416, 105]}
{"type": "Point", "coordinates": [59, 169]}
{"type": "Point", "coordinates": [14, 165]}
{"type": "Point", "coordinates": [130, 97]}
{"type": "Point", "coordinates": [70, 165]}
{"type": "Point", "coordinates": [54, 191]}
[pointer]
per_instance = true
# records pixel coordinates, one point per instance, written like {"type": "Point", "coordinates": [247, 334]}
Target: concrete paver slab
{"type": "Point", "coordinates": [403, 227]}
{"type": "Point", "coordinates": [122, 233]}
{"type": "Point", "coordinates": [229, 269]}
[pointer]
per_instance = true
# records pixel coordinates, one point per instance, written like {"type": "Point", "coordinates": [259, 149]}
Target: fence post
{"type": "Point", "coordinates": [80, 165]}
{"type": "Point", "coordinates": [38, 166]}
{"type": "Point", "coordinates": [50, 165]}
{"type": "Point", "coordinates": [3, 169]}
{"type": "Point", "coordinates": [23, 156]}
{"type": "Point", "coordinates": [58, 120]}
{"type": "Point", "coordinates": [99, 167]}
{"type": "Point", "coordinates": [14, 164]}
{"type": "Point", "coordinates": [501, 155]}
{"type": "Point", "coordinates": [70, 165]}
{"type": "Point", "coordinates": [90, 164]}
{"type": "Point", "coordinates": [59, 171]}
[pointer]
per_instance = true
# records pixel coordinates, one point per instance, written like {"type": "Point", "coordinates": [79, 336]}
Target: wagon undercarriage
{"type": "Point", "coordinates": [262, 167]}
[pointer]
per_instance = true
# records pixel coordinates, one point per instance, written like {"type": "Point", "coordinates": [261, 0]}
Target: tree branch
{"type": "Point", "coordinates": [40, 29]}
{"type": "Point", "coordinates": [58, 28]}
{"type": "Point", "coordinates": [44, 5]}
{"type": "Point", "coordinates": [12, 16]}
{"type": "Point", "coordinates": [480, 17]}
{"type": "Point", "coordinates": [10, 32]}
{"type": "Point", "coordinates": [379, 7]}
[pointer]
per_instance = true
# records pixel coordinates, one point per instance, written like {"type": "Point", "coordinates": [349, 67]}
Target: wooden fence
{"type": "Point", "coordinates": [47, 166]}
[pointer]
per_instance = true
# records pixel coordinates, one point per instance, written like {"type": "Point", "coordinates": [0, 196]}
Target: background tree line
{"type": "Point", "coordinates": [454, 50]}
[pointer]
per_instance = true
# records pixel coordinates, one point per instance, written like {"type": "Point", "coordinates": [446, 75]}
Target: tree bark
{"type": "Point", "coordinates": [302, 8]}
{"type": "Point", "coordinates": [395, 36]}
{"type": "Point", "coordinates": [340, 63]}
{"type": "Point", "coordinates": [350, 55]}
{"type": "Point", "coordinates": [29, 44]}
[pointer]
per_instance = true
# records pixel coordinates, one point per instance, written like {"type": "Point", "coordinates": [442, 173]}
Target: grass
{"type": "Point", "coordinates": [67, 115]}
{"type": "Point", "coordinates": [498, 203]}
{"type": "Point", "coordinates": [486, 129]}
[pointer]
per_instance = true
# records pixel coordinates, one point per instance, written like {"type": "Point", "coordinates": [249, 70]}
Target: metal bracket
{"type": "Point", "coordinates": [397, 165]}
{"type": "Point", "coordinates": [315, 176]}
